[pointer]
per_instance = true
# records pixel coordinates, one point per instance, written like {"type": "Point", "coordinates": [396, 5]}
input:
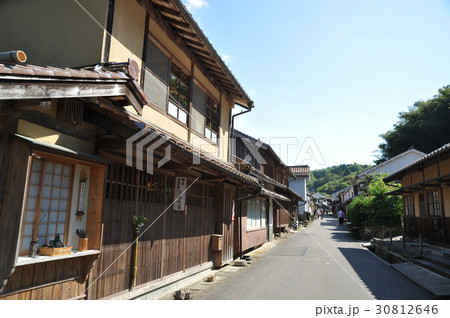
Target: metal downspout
{"type": "Point", "coordinates": [230, 149]}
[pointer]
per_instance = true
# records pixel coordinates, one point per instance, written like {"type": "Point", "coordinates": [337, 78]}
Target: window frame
{"type": "Point", "coordinates": [177, 74]}
{"type": "Point", "coordinates": [256, 214]}
{"type": "Point", "coordinates": [93, 221]}
{"type": "Point", "coordinates": [173, 105]}
{"type": "Point", "coordinates": [39, 198]}
{"type": "Point", "coordinates": [434, 202]}
{"type": "Point", "coordinates": [212, 107]}
{"type": "Point", "coordinates": [408, 205]}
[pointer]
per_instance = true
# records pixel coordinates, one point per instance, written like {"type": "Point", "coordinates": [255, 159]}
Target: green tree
{"type": "Point", "coordinates": [375, 208]}
{"type": "Point", "coordinates": [424, 126]}
{"type": "Point", "coordinates": [333, 179]}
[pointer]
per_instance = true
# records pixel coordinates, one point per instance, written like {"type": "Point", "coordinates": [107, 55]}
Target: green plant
{"type": "Point", "coordinates": [81, 233]}
{"type": "Point", "coordinates": [374, 207]}
{"type": "Point", "coordinates": [138, 222]}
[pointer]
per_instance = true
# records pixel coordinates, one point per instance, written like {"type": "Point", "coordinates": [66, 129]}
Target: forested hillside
{"type": "Point", "coordinates": [332, 179]}
{"type": "Point", "coordinates": [424, 126]}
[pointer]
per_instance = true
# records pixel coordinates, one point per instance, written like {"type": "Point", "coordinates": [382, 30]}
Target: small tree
{"type": "Point", "coordinates": [374, 208]}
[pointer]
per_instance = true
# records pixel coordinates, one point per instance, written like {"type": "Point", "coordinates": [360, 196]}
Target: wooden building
{"type": "Point", "coordinates": [274, 207]}
{"type": "Point", "coordinates": [424, 186]}
{"type": "Point", "coordinates": [108, 133]}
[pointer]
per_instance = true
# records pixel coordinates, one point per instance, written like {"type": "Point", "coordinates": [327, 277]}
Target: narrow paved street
{"type": "Point", "coordinates": [322, 262]}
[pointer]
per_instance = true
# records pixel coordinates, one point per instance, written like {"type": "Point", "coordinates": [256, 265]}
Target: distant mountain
{"type": "Point", "coordinates": [332, 179]}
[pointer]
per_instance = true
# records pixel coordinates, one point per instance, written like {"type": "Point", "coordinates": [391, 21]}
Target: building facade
{"type": "Point", "coordinates": [132, 119]}
{"type": "Point", "coordinates": [298, 184]}
{"type": "Point", "coordinates": [424, 186]}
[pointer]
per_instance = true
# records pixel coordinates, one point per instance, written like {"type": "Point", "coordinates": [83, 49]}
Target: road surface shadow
{"type": "Point", "coordinates": [384, 282]}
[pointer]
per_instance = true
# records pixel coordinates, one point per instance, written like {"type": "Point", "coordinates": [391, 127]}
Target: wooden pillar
{"type": "Point", "coordinates": [11, 209]}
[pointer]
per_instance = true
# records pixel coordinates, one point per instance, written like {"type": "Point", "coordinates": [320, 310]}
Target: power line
{"type": "Point", "coordinates": [314, 62]}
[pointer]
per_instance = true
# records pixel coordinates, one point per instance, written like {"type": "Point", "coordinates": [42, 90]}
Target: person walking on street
{"type": "Point", "coordinates": [341, 217]}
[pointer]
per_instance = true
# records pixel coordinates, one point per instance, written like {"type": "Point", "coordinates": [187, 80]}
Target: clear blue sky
{"type": "Point", "coordinates": [397, 53]}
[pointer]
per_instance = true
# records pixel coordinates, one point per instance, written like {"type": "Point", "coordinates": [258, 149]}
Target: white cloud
{"type": "Point", "coordinates": [192, 5]}
{"type": "Point", "coordinates": [226, 58]}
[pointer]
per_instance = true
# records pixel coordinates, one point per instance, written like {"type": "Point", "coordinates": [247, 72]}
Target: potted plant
{"type": "Point", "coordinates": [82, 240]}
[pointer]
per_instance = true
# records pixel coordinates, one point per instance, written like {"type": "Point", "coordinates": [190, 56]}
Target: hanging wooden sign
{"type": "Point", "coordinates": [180, 194]}
{"type": "Point", "coordinates": [81, 194]}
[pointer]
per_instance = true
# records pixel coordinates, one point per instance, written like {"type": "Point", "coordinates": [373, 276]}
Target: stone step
{"type": "Point", "coordinates": [436, 284]}
{"type": "Point", "coordinates": [441, 261]}
{"type": "Point", "coordinates": [432, 266]}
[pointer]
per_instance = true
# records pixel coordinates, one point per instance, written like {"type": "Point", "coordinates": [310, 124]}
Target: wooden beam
{"type": "Point", "coordinates": [166, 9]}
{"type": "Point", "coordinates": [199, 49]}
{"type": "Point", "coordinates": [182, 32]}
{"type": "Point", "coordinates": [50, 122]}
{"type": "Point", "coordinates": [196, 43]}
{"type": "Point", "coordinates": [178, 23]}
{"type": "Point", "coordinates": [31, 90]}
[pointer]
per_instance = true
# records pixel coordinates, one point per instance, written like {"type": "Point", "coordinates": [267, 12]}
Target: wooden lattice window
{"type": "Point", "coordinates": [408, 205]}
{"type": "Point", "coordinates": [434, 206]}
{"type": "Point", "coordinates": [48, 202]}
{"type": "Point", "coordinates": [71, 110]}
{"type": "Point", "coordinates": [130, 184]}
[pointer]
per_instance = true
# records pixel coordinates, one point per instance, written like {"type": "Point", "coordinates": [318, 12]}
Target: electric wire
{"type": "Point", "coordinates": [139, 236]}
{"type": "Point", "coordinates": [313, 62]}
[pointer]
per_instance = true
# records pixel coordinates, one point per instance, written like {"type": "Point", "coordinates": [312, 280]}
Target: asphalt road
{"type": "Point", "coordinates": [320, 262]}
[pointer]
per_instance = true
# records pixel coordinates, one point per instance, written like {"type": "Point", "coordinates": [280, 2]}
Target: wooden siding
{"type": "Point", "coordinates": [434, 229]}
{"type": "Point", "coordinates": [59, 279]}
{"type": "Point", "coordinates": [174, 242]}
{"type": "Point", "coordinates": [281, 218]}
{"type": "Point", "coordinates": [11, 212]}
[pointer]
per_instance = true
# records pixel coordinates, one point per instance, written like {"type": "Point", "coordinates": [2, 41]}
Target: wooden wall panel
{"type": "Point", "coordinates": [52, 280]}
{"type": "Point", "coordinates": [11, 212]}
{"type": "Point", "coordinates": [170, 242]}
{"type": "Point", "coordinates": [432, 229]}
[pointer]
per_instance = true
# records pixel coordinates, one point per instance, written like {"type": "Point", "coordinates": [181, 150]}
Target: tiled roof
{"type": "Point", "coordinates": [300, 170]}
{"type": "Point", "coordinates": [182, 24]}
{"type": "Point", "coordinates": [208, 158]}
{"type": "Point", "coordinates": [15, 73]}
{"type": "Point", "coordinates": [432, 155]}
{"type": "Point", "coordinates": [54, 72]}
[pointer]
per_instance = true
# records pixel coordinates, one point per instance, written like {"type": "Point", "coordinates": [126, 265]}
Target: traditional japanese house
{"type": "Point", "coordinates": [272, 209]}
{"type": "Point", "coordinates": [132, 119]}
{"type": "Point", "coordinates": [343, 197]}
{"type": "Point", "coordinates": [298, 184]}
{"type": "Point", "coordinates": [424, 186]}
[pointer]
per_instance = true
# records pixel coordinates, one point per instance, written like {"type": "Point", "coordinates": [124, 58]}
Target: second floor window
{"type": "Point", "coordinates": [179, 94]}
{"type": "Point", "coordinates": [212, 120]}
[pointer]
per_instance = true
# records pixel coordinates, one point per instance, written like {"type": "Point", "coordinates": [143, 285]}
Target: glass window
{"type": "Point", "coordinates": [212, 120]}
{"type": "Point", "coordinates": [45, 215]}
{"type": "Point", "coordinates": [256, 214]}
{"type": "Point", "coordinates": [408, 205]}
{"type": "Point", "coordinates": [179, 87]}
{"type": "Point", "coordinates": [178, 94]}
{"type": "Point", "coordinates": [434, 206]}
